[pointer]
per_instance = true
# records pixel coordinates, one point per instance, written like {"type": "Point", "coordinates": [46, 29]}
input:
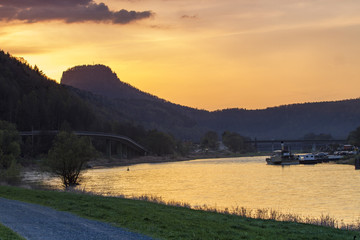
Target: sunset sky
{"type": "Point", "coordinates": [207, 54]}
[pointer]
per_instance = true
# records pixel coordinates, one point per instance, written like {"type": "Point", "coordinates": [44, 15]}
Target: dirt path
{"type": "Point", "coordinates": [35, 222]}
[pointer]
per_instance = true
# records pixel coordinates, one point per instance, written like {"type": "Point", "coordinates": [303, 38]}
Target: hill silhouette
{"type": "Point", "coordinates": [31, 100]}
{"type": "Point", "coordinates": [101, 80]}
{"type": "Point", "coordinates": [120, 101]}
{"type": "Point", "coordinates": [125, 102]}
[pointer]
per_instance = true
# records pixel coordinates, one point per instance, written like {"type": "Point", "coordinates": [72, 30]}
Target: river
{"type": "Point", "coordinates": [307, 190]}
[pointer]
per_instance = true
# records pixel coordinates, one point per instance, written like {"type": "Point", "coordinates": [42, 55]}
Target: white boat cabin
{"type": "Point", "coordinates": [306, 157]}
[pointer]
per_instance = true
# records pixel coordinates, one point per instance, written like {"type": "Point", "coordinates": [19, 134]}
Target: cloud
{"type": "Point", "coordinates": [124, 16]}
{"type": "Point", "coordinates": [189, 16]}
{"type": "Point", "coordinates": [43, 3]}
{"type": "Point", "coordinates": [69, 11]}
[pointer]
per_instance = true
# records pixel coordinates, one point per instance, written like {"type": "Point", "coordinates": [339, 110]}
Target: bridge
{"type": "Point", "coordinates": [125, 147]}
{"type": "Point", "coordinates": [295, 144]}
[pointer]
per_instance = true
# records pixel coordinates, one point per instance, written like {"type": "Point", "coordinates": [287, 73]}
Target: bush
{"type": "Point", "coordinates": [9, 152]}
{"type": "Point", "coordinates": [12, 174]}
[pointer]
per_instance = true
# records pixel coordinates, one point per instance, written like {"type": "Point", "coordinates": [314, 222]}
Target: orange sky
{"type": "Point", "coordinates": [206, 54]}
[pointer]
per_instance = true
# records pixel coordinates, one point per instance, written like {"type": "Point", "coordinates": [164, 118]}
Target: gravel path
{"type": "Point", "coordinates": [37, 222]}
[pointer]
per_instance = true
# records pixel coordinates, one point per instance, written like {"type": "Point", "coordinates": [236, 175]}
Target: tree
{"type": "Point", "coordinates": [9, 144]}
{"type": "Point", "coordinates": [233, 141]}
{"type": "Point", "coordinates": [9, 152]}
{"type": "Point", "coordinates": [160, 143]}
{"type": "Point", "coordinates": [210, 140]}
{"type": "Point", "coordinates": [354, 137]}
{"type": "Point", "coordinates": [68, 156]}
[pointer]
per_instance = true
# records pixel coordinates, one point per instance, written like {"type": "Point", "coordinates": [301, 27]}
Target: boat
{"type": "Point", "coordinates": [321, 157]}
{"type": "Point", "coordinates": [282, 157]}
{"type": "Point", "coordinates": [308, 159]}
{"type": "Point", "coordinates": [334, 157]}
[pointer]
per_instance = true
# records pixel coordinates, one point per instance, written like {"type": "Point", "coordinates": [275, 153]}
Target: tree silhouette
{"type": "Point", "coordinates": [210, 140]}
{"type": "Point", "coordinates": [9, 152]}
{"type": "Point", "coordinates": [354, 137]}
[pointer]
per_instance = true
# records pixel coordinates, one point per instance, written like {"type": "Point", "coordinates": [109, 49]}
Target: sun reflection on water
{"type": "Point", "coordinates": [307, 190]}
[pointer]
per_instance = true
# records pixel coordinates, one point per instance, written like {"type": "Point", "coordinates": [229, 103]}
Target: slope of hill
{"type": "Point", "coordinates": [32, 101]}
{"type": "Point", "coordinates": [122, 102]}
{"type": "Point", "coordinates": [337, 118]}
{"type": "Point", "coordinates": [290, 121]}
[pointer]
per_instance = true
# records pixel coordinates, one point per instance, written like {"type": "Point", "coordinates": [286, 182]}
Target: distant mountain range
{"type": "Point", "coordinates": [120, 101]}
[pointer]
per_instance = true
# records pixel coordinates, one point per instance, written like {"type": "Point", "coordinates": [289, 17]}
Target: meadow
{"type": "Point", "coordinates": [152, 217]}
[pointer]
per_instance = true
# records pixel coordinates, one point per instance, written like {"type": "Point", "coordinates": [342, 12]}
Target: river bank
{"type": "Point", "coordinates": [105, 162]}
{"type": "Point", "coordinates": [170, 222]}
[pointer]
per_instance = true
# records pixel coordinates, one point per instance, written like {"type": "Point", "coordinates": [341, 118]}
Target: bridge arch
{"type": "Point", "coordinates": [126, 142]}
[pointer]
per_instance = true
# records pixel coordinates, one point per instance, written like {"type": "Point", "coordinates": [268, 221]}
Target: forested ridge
{"type": "Point", "coordinates": [32, 101]}
{"type": "Point", "coordinates": [293, 121]}
{"type": "Point", "coordinates": [336, 118]}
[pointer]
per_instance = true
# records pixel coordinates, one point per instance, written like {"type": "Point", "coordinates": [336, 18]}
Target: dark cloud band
{"type": "Point", "coordinates": [66, 10]}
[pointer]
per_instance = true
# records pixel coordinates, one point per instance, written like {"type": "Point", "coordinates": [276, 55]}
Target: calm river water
{"type": "Point", "coordinates": [308, 190]}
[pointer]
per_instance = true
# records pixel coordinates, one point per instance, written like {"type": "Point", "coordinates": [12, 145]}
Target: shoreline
{"type": "Point", "coordinates": [104, 162]}
{"type": "Point", "coordinates": [117, 162]}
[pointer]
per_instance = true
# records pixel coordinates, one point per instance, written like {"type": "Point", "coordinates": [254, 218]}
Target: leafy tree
{"type": "Point", "coordinates": [183, 147]}
{"type": "Point", "coordinates": [354, 137]}
{"type": "Point", "coordinates": [9, 151]}
{"type": "Point", "coordinates": [233, 141]}
{"type": "Point", "coordinates": [210, 140]}
{"type": "Point", "coordinates": [160, 143]}
{"type": "Point", "coordinates": [9, 144]}
{"type": "Point", "coordinates": [68, 157]}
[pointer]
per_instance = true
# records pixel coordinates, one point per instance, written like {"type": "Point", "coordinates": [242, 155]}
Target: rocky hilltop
{"type": "Point", "coordinates": [101, 80]}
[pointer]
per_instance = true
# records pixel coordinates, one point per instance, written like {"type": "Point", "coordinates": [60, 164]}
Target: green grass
{"type": "Point", "coordinates": [7, 234]}
{"type": "Point", "coordinates": [167, 222]}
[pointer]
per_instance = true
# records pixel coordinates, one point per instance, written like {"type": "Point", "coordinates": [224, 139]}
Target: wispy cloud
{"type": "Point", "coordinates": [189, 16]}
{"type": "Point", "coordinates": [69, 11]}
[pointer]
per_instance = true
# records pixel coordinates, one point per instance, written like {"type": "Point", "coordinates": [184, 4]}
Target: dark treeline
{"type": "Point", "coordinates": [336, 119]}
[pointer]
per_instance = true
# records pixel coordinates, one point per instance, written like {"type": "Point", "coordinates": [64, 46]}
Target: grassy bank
{"type": "Point", "coordinates": [7, 234]}
{"type": "Point", "coordinates": [166, 222]}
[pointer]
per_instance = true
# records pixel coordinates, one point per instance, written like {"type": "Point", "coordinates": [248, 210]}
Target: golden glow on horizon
{"type": "Point", "coordinates": [212, 54]}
